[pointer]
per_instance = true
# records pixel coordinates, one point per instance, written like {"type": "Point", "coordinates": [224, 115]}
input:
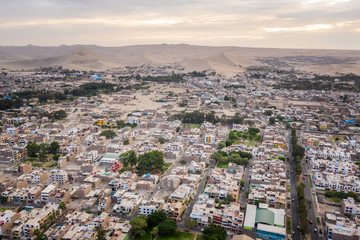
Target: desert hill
{"type": "Point", "coordinates": [226, 60]}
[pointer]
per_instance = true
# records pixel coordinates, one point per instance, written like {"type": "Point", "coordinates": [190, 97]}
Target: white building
{"type": "Point", "coordinates": [59, 176]}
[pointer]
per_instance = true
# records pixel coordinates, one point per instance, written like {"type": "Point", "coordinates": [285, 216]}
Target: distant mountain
{"type": "Point", "coordinates": [226, 60]}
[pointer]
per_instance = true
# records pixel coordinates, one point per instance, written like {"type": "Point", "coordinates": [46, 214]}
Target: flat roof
{"type": "Point", "coordinates": [250, 216]}
{"type": "Point", "coordinates": [271, 229]}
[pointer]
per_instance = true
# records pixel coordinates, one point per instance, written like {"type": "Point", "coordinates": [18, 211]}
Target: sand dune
{"type": "Point", "coordinates": [225, 60]}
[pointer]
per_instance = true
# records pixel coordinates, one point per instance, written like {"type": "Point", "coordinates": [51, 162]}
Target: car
{"type": "Point", "coordinates": [310, 221]}
{"type": "Point", "coordinates": [293, 199]}
{"type": "Point", "coordinates": [315, 230]}
{"type": "Point", "coordinates": [304, 177]}
{"type": "Point", "coordinates": [298, 227]}
{"type": "Point", "coordinates": [293, 232]}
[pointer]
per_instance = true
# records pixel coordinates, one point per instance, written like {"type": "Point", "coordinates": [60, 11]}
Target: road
{"type": "Point", "coordinates": [294, 204]}
{"type": "Point", "coordinates": [294, 200]}
{"type": "Point", "coordinates": [309, 200]}
{"type": "Point", "coordinates": [199, 190]}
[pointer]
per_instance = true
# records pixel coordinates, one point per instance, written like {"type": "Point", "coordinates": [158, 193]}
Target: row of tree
{"type": "Point", "coordinates": [41, 150]}
{"type": "Point", "coordinates": [238, 157]}
{"type": "Point", "coordinates": [198, 117]}
{"type": "Point", "coordinates": [298, 152]}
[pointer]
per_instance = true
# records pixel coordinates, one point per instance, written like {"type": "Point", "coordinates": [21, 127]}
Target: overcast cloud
{"type": "Point", "coordinates": [249, 23]}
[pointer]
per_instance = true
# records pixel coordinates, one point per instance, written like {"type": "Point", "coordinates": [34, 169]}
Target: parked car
{"type": "Point", "coordinates": [310, 221]}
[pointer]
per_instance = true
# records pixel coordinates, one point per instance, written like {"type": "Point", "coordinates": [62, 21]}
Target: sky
{"type": "Point", "coordinates": [325, 24]}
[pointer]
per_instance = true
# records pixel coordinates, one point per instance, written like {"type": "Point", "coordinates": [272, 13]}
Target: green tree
{"type": "Point", "coordinates": [268, 112]}
{"type": "Point", "coordinates": [37, 232]}
{"type": "Point", "coordinates": [32, 149]}
{"type": "Point", "coordinates": [108, 134]}
{"type": "Point", "coordinates": [221, 145]}
{"type": "Point", "coordinates": [138, 225]}
{"type": "Point", "coordinates": [155, 218]}
{"type": "Point", "coordinates": [126, 142]}
{"type": "Point", "coordinates": [161, 140]}
{"type": "Point", "coordinates": [167, 227]}
{"type": "Point", "coordinates": [150, 162]}
{"type": "Point", "coordinates": [57, 213]}
{"type": "Point", "coordinates": [58, 115]}
{"type": "Point", "coordinates": [190, 223]}
{"type": "Point", "coordinates": [178, 129]}
{"type": "Point", "coordinates": [62, 205]}
{"type": "Point", "coordinates": [100, 234]}
{"type": "Point", "coordinates": [51, 217]}
{"type": "Point", "coordinates": [155, 231]}
{"type": "Point", "coordinates": [54, 147]}
{"type": "Point", "coordinates": [44, 148]}
{"type": "Point", "coordinates": [44, 226]}
{"type": "Point", "coordinates": [214, 233]}
{"type": "Point", "coordinates": [272, 121]}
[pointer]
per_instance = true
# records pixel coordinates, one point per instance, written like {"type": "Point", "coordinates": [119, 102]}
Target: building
{"type": "Point", "coordinates": [59, 176]}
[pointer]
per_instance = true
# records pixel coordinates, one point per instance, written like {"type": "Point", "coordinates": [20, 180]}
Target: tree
{"type": "Point", "coordinates": [54, 147]}
{"type": "Point", "coordinates": [272, 121]}
{"type": "Point", "coordinates": [178, 129]}
{"type": "Point", "coordinates": [126, 142]}
{"type": "Point", "coordinates": [190, 223]}
{"type": "Point", "coordinates": [108, 134]}
{"type": "Point", "coordinates": [32, 149]}
{"type": "Point", "coordinates": [3, 199]}
{"type": "Point", "coordinates": [221, 145]}
{"type": "Point", "coordinates": [44, 226]}
{"type": "Point", "coordinates": [214, 233]}
{"type": "Point", "coordinates": [268, 112]}
{"type": "Point", "coordinates": [150, 162]}
{"type": "Point", "coordinates": [57, 213]}
{"type": "Point", "coordinates": [229, 198]}
{"type": "Point", "coordinates": [167, 227]}
{"type": "Point", "coordinates": [138, 225]}
{"type": "Point", "coordinates": [51, 217]}
{"type": "Point", "coordinates": [44, 147]}
{"type": "Point", "coordinates": [155, 231]}
{"type": "Point", "coordinates": [129, 158]}
{"type": "Point", "coordinates": [161, 140]}
{"type": "Point", "coordinates": [100, 234]}
{"type": "Point", "coordinates": [155, 218]}
{"type": "Point", "coordinates": [58, 115]}
{"type": "Point", "coordinates": [37, 232]}
{"type": "Point", "coordinates": [62, 205]}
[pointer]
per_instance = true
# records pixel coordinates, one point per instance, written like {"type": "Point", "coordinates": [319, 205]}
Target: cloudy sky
{"type": "Point", "coordinates": [332, 24]}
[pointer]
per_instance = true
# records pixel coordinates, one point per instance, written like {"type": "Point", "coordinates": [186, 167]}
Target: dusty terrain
{"type": "Point", "coordinates": [225, 60]}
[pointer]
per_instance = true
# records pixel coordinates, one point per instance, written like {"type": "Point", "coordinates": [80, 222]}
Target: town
{"type": "Point", "coordinates": [156, 153]}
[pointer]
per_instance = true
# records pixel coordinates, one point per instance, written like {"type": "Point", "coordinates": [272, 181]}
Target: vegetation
{"type": "Point", "coordinates": [161, 140]}
{"type": "Point", "coordinates": [100, 234]}
{"type": "Point", "coordinates": [298, 152]}
{"type": "Point", "coordinates": [138, 225]}
{"type": "Point", "coordinates": [214, 233]}
{"type": "Point", "coordinates": [302, 210]}
{"type": "Point", "coordinates": [150, 162]}
{"type": "Point", "coordinates": [167, 227]}
{"type": "Point", "coordinates": [341, 195]}
{"type": "Point", "coordinates": [108, 134]}
{"type": "Point", "coordinates": [163, 79]}
{"type": "Point", "coordinates": [156, 218]}
{"type": "Point", "coordinates": [41, 150]}
{"type": "Point", "coordinates": [238, 157]}
{"type": "Point", "coordinates": [190, 223]}
{"type": "Point", "coordinates": [129, 158]}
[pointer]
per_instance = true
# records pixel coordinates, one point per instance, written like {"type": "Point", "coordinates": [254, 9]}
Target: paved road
{"type": "Point", "coordinates": [294, 199]}
{"type": "Point", "coordinates": [309, 201]}
{"type": "Point", "coordinates": [199, 190]}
